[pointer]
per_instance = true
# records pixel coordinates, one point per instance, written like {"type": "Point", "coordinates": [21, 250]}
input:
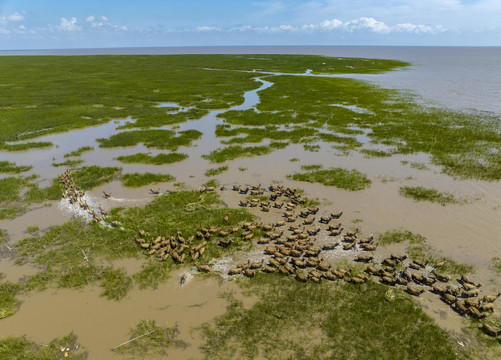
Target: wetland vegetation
{"type": "Point", "coordinates": [147, 338]}
{"type": "Point", "coordinates": [289, 319]}
{"type": "Point", "coordinates": [324, 321]}
{"type": "Point", "coordinates": [142, 179]}
{"type": "Point", "coordinates": [344, 179]}
{"type": "Point", "coordinates": [9, 167]}
{"type": "Point", "coordinates": [421, 193]}
{"type": "Point", "coordinates": [160, 159]}
{"type": "Point", "coordinates": [25, 349]}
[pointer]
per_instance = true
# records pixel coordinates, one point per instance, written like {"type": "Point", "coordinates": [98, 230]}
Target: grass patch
{"type": "Point", "coordinates": [216, 171]}
{"type": "Point", "coordinates": [70, 162]}
{"type": "Point", "coordinates": [152, 274]}
{"type": "Point", "coordinates": [32, 229]}
{"type": "Point", "coordinates": [160, 159]}
{"type": "Point", "coordinates": [91, 176]}
{"type": "Point", "coordinates": [8, 301]}
{"type": "Point", "coordinates": [237, 151]}
{"type": "Point", "coordinates": [79, 152]}
{"type": "Point", "coordinates": [24, 349]}
{"type": "Point", "coordinates": [420, 193]}
{"type": "Point", "coordinates": [147, 339]}
{"type": "Point", "coordinates": [312, 167]}
{"type": "Point", "coordinates": [138, 180]}
{"type": "Point", "coordinates": [115, 283]}
{"type": "Point", "coordinates": [344, 179]}
{"type": "Point", "coordinates": [324, 321]}
{"type": "Point", "coordinates": [375, 153]}
{"type": "Point", "coordinates": [397, 237]}
{"type": "Point", "coordinates": [9, 167]}
{"type": "Point", "coordinates": [496, 264]}
{"type": "Point", "coordinates": [159, 139]}
{"type": "Point", "coordinates": [419, 166]}
{"type": "Point", "coordinates": [25, 146]}
{"type": "Point", "coordinates": [9, 189]}
{"type": "Point", "coordinates": [37, 195]}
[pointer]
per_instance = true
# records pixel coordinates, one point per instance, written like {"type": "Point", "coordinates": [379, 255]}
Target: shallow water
{"type": "Point", "coordinates": [466, 232]}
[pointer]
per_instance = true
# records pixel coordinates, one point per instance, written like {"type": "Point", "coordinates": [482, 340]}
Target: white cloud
{"type": "Point", "coordinates": [90, 18]}
{"type": "Point", "coordinates": [360, 24]}
{"type": "Point", "coordinates": [104, 18]}
{"type": "Point", "coordinates": [15, 17]}
{"type": "Point", "coordinates": [207, 28]}
{"type": "Point", "coordinates": [69, 25]}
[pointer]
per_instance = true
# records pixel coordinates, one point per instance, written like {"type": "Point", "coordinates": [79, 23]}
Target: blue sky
{"type": "Point", "coordinates": [53, 24]}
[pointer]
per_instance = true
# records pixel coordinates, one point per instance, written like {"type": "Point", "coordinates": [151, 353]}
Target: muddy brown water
{"type": "Point", "coordinates": [468, 232]}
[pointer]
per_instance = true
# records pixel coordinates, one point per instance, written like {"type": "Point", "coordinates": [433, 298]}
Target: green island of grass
{"type": "Point", "coordinates": [421, 193]}
{"type": "Point", "coordinates": [341, 178]}
{"type": "Point", "coordinates": [321, 321]}
{"type": "Point", "coordinates": [25, 349]}
{"type": "Point", "coordinates": [9, 167]}
{"type": "Point", "coordinates": [216, 171]}
{"type": "Point", "coordinates": [160, 159]}
{"type": "Point", "coordinates": [150, 339]}
{"type": "Point", "coordinates": [138, 180]}
{"type": "Point", "coordinates": [160, 139]}
{"type": "Point", "coordinates": [79, 151]}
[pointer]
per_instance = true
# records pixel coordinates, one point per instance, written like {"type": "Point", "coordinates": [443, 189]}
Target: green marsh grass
{"type": "Point", "coordinates": [21, 348]}
{"type": "Point", "coordinates": [91, 176]}
{"type": "Point", "coordinates": [70, 162]}
{"type": "Point", "coordinates": [115, 283]}
{"type": "Point", "coordinates": [160, 159]}
{"type": "Point", "coordinates": [9, 167]}
{"type": "Point", "coordinates": [352, 180]}
{"type": "Point", "coordinates": [9, 189]}
{"type": "Point", "coordinates": [375, 153]}
{"type": "Point", "coordinates": [421, 193]}
{"type": "Point", "coordinates": [148, 339]}
{"type": "Point", "coordinates": [216, 171]}
{"type": "Point", "coordinates": [236, 151]}
{"type": "Point", "coordinates": [79, 152]}
{"type": "Point", "coordinates": [465, 145]}
{"type": "Point", "coordinates": [419, 166]}
{"type": "Point", "coordinates": [496, 264]}
{"type": "Point", "coordinates": [312, 167]}
{"type": "Point", "coordinates": [32, 229]}
{"type": "Point", "coordinates": [296, 320]}
{"type": "Point", "coordinates": [159, 139]}
{"type": "Point", "coordinates": [35, 194]}
{"type": "Point", "coordinates": [25, 146]}
{"type": "Point", "coordinates": [143, 179]}
{"type": "Point", "coordinates": [8, 301]}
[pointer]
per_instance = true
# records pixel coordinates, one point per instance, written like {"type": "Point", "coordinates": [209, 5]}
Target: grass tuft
{"type": "Point", "coordinates": [138, 180]}
{"type": "Point", "coordinates": [9, 167]}
{"type": "Point", "coordinates": [324, 321]}
{"type": "Point", "coordinates": [79, 152]}
{"type": "Point", "coordinates": [420, 193]}
{"type": "Point", "coordinates": [338, 177]}
{"type": "Point", "coordinates": [148, 339]}
{"type": "Point", "coordinates": [91, 176]}
{"type": "Point", "coordinates": [216, 171]}
{"type": "Point", "coordinates": [160, 159]}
